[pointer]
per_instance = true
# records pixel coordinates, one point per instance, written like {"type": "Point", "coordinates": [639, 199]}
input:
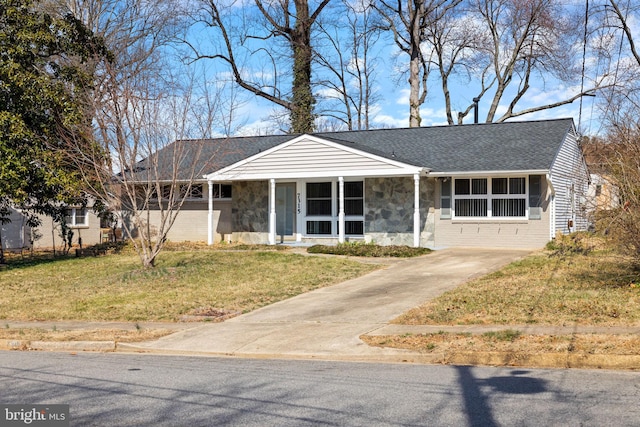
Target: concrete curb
{"type": "Point", "coordinates": [507, 359]}
{"type": "Point", "coordinates": [396, 329]}
{"type": "Point", "coordinates": [26, 345]}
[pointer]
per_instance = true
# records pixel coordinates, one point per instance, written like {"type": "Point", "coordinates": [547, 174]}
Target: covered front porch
{"type": "Point", "coordinates": [309, 190]}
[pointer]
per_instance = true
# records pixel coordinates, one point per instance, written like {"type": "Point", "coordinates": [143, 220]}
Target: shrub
{"type": "Point", "coordinates": [574, 243]}
{"type": "Point", "coordinates": [368, 250]}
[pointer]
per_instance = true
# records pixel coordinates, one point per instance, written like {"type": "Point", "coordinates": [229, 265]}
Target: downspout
{"type": "Point", "coordinates": [552, 209]}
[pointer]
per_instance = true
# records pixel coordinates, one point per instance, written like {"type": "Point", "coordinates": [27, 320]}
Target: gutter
{"type": "Point", "coordinates": [491, 173]}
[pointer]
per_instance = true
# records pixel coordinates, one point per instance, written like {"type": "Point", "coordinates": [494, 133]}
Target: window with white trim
{"type": "Point", "coordinates": [322, 207]}
{"type": "Point", "coordinates": [319, 203]}
{"type": "Point", "coordinates": [354, 208]}
{"type": "Point", "coordinates": [193, 191]}
{"type": "Point", "coordinates": [76, 217]}
{"type": "Point", "coordinates": [500, 197]}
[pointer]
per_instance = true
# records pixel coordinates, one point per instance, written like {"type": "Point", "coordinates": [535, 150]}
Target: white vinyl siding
{"type": "Point", "coordinates": [310, 157]}
{"type": "Point", "coordinates": [570, 182]}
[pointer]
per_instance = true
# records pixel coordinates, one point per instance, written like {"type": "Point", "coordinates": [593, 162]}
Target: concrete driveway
{"type": "Point", "coordinates": [327, 322]}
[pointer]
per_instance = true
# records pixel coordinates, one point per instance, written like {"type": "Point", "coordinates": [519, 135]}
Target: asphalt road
{"type": "Point", "coordinates": [126, 390]}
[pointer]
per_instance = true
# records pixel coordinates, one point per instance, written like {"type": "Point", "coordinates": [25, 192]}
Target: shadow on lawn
{"type": "Point", "coordinates": [30, 259]}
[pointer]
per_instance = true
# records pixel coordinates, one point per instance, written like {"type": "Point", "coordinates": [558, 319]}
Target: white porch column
{"type": "Point", "coordinates": [210, 215]}
{"type": "Point", "coordinates": [272, 211]}
{"type": "Point", "coordinates": [341, 209]}
{"type": "Point", "coordinates": [416, 210]}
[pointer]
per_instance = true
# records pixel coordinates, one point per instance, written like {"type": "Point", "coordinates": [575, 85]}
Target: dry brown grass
{"type": "Point", "coordinates": [597, 288]}
{"type": "Point", "coordinates": [577, 281]}
{"type": "Point", "coordinates": [118, 335]}
{"type": "Point", "coordinates": [187, 277]}
{"type": "Point", "coordinates": [524, 344]}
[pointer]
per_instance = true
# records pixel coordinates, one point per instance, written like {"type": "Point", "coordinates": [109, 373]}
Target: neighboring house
{"type": "Point", "coordinates": [84, 223]}
{"type": "Point", "coordinates": [602, 193]}
{"type": "Point", "coordinates": [513, 184]}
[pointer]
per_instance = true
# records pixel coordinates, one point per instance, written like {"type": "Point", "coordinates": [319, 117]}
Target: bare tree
{"type": "Point", "coordinates": [144, 106]}
{"type": "Point", "coordinates": [620, 102]}
{"type": "Point", "coordinates": [619, 155]}
{"type": "Point", "coordinates": [350, 65]}
{"type": "Point", "coordinates": [620, 165]}
{"type": "Point", "coordinates": [453, 39]}
{"type": "Point", "coordinates": [156, 164]}
{"type": "Point", "coordinates": [623, 18]}
{"type": "Point", "coordinates": [409, 22]}
{"type": "Point", "coordinates": [529, 40]}
{"type": "Point", "coordinates": [276, 34]}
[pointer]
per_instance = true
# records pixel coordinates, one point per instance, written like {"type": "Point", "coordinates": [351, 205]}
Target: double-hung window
{"type": "Point", "coordinates": [354, 207]}
{"type": "Point", "coordinates": [509, 197]}
{"type": "Point", "coordinates": [319, 207]}
{"type": "Point", "coordinates": [503, 197]}
{"type": "Point", "coordinates": [193, 191]}
{"type": "Point", "coordinates": [470, 197]}
{"type": "Point", "coordinates": [76, 217]}
{"type": "Point", "coordinates": [322, 207]}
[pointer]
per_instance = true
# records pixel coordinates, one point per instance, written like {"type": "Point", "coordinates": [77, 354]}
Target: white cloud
{"type": "Point", "coordinates": [388, 121]}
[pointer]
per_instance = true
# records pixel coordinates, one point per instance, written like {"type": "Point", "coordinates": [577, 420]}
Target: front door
{"type": "Point", "coordinates": [285, 211]}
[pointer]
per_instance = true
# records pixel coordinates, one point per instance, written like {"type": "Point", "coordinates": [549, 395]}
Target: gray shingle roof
{"type": "Point", "coordinates": [509, 146]}
{"type": "Point", "coordinates": [468, 148]}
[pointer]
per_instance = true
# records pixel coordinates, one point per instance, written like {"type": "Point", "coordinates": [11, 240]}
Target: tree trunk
{"type": "Point", "coordinates": [414, 94]}
{"type": "Point", "coordinates": [302, 119]}
{"type": "Point", "coordinates": [415, 64]}
{"type": "Point", "coordinates": [1, 249]}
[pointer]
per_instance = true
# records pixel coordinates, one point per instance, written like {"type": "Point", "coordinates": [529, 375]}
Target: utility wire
{"type": "Point", "coordinates": [584, 59]}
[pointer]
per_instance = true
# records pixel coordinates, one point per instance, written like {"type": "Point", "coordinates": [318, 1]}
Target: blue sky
{"type": "Point", "coordinates": [255, 115]}
{"type": "Point", "coordinates": [392, 110]}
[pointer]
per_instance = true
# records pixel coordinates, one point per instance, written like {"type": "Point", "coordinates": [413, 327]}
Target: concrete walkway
{"type": "Point", "coordinates": [326, 323]}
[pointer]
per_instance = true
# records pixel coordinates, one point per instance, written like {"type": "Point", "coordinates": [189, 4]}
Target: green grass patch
{"type": "Point", "coordinates": [117, 288]}
{"type": "Point", "coordinates": [504, 335]}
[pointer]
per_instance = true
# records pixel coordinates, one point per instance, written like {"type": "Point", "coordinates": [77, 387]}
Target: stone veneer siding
{"type": "Point", "coordinates": [250, 207]}
{"type": "Point", "coordinates": [389, 210]}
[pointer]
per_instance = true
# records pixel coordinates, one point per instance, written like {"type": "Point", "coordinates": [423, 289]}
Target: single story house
{"type": "Point", "coordinates": [513, 184]}
{"type": "Point", "coordinates": [81, 220]}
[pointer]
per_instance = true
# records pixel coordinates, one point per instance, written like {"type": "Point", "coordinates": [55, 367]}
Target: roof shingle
{"type": "Point", "coordinates": [509, 146]}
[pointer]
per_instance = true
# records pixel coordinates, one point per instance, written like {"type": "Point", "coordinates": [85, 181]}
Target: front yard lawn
{"type": "Point", "coordinates": [185, 281]}
{"type": "Point", "coordinates": [546, 288]}
{"type": "Point", "coordinates": [578, 282]}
